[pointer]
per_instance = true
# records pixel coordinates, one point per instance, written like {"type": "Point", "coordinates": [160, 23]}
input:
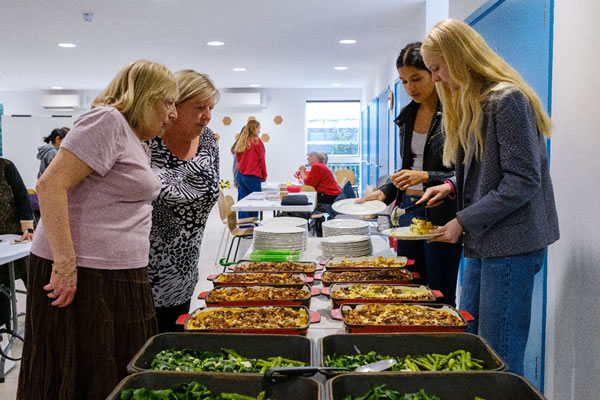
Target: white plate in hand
{"type": "Point", "coordinates": [350, 207]}
{"type": "Point", "coordinates": [404, 233]}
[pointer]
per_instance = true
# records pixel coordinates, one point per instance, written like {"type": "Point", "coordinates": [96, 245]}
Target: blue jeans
{"type": "Point", "coordinates": [497, 292]}
{"type": "Point", "coordinates": [437, 263]}
{"type": "Point", "coordinates": [247, 184]}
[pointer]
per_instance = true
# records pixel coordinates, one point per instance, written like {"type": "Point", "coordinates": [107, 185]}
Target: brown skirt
{"type": "Point", "coordinates": [81, 351]}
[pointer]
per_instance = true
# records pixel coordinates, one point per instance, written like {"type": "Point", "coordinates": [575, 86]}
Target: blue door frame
{"type": "Point", "coordinates": [521, 32]}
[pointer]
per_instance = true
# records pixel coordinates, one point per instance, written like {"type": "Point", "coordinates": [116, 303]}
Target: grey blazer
{"type": "Point", "coordinates": [506, 200]}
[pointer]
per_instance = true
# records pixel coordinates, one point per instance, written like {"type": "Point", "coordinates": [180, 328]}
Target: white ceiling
{"type": "Point", "coordinates": [282, 43]}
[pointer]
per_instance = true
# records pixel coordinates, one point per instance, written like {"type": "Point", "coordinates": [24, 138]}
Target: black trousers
{"type": "Point", "coordinates": [167, 316]}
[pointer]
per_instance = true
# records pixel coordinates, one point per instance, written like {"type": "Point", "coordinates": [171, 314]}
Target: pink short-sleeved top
{"type": "Point", "coordinates": [110, 211]}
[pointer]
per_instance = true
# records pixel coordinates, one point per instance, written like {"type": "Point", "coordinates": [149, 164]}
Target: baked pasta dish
{"type": "Point", "coordinates": [263, 278]}
{"type": "Point", "coordinates": [419, 227]}
{"type": "Point", "coordinates": [400, 314]}
{"type": "Point", "coordinates": [392, 292]}
{"type": "Point", "coordinates": [287, 266]}
{"type": "Point", "coordinates": [254, 293]}
{"type": "Point", "coordinates": [251, 317]}
{"type": "Point", "coordinates": [368, 262]}
{"type": "Point", "coordinates": [358, 276]}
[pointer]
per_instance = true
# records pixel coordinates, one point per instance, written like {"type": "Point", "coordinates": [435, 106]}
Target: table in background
{"type": "Point", "coordinates": [258, 201]}
{"type": "Point", "coordinates": [9, 253]}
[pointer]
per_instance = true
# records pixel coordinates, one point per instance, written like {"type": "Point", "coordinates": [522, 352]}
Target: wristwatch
{"type": "Point", "coordinates": [28, 230]}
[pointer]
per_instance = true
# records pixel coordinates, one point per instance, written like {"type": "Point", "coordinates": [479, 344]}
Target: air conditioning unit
{"type": "Point", "coordinates": [242, 99]}
{"type": "Point", "coordinates": [61, 102]}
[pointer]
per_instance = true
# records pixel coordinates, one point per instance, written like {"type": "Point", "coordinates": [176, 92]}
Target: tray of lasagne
{"type": "Point", "coordinates": [366, 263]}
{"type": "Point", "coordinates": [260, 278]}
{"type": "Point", "coordinates": [342, 293]}
{"type": "Point", "coordinates": [303, 267]}
{"type": "Point", "coordinates": [398, 276]}
{"type": "Point", "coordinates": [283, 320]}
{"type": "Point", "coordinates": [239, 296]}
{"type": "Point", "coordinates": [377, 317]}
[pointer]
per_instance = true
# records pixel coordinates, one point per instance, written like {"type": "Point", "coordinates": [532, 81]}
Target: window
{"type": "Point", "coordinates": [333, 127]}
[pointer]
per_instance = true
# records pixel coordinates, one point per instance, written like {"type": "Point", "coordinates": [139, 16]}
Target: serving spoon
{"type": "Point", "coordinates": [378, 366]}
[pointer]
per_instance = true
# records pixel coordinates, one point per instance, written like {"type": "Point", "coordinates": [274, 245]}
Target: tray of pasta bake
{"type": "Point", "coordinates": [259, 278]}
{"type": "Point", "coordinates": [366, 263]}
{"type": "Point", "coordinates": [342, 293]}
{"type": "Point", "coordinates": [302, 267]}
{"type": "Point", "coordinates": [418, 317]}
{"type": "Point", "coordinates": [283, 320]}
{"type": "Point", "coordinates": [238, 296]}
{"type": "Point", "coordinates": [397, 276]}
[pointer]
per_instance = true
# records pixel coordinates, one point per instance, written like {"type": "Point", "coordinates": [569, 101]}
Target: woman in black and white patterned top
{"type": "Point", "coordinates": [186, 159]}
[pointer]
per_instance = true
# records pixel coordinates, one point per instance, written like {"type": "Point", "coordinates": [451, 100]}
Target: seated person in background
{"type": "Point", "coordinates": [320, 177]}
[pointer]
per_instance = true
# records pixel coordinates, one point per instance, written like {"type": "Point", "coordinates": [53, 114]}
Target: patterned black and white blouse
{"type": "Point", "coordinates": [189, 190]}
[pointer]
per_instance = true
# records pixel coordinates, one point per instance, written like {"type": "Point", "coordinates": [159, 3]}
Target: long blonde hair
{"type": "Point", "coordinates": [135, 90]}
{"type": "Point", "coordinates": [246, 136]}
{"type": "Point", "coordinates": [472, 63]}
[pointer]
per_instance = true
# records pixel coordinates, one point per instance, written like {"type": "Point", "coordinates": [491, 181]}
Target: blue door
{"type": "Point", "coordinates": [364, 148]}
{"type": "Point", "coordinates": [383, 135]}
{"type": "Point", "coordinates": [373, 142]}
{"type": "Point", "coordinates": [521, 32]}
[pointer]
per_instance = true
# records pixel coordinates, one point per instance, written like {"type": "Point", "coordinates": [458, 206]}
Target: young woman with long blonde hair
{"type": "Point", "coordinates": [496, 128]}
{"type": "Point", "coordinates": [250, 155]}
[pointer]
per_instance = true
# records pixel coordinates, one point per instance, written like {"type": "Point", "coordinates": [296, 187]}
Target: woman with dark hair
{"type": "Point", "coordinates": [421, 148]}
{"type": "Point", "coordinates": [47, 152]}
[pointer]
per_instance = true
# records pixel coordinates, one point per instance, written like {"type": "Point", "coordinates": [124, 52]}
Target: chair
{"type": "Point", "coordinates": [307, 188]}
{"type": "Point", "coordinates": [35, 206]}
{"type": "Point", "coordinates": [343, 175]}
{"type": "Point", "coordinates": [232, 225]}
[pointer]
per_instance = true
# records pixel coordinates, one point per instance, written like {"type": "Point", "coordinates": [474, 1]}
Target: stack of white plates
{"type": "Point", "coordinates": [289, 221]}
{"type": "Point", "coordinates": [347, 246]}
{"type": "Point", "coordinates": [279, 237]}
{"type": "Point", "coordinates": [337, 227]}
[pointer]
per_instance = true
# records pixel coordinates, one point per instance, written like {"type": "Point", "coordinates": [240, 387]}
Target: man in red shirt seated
{"type": "Point", "coordinates": [321, 178]}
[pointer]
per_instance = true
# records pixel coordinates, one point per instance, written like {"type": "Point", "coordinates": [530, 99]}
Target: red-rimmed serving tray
{"type": "Point", "coordinates": [365, 263]}
{"type": "Point", "coordinates": [338, 301]}
{"type": "Point", "coordinates": [464, 316]}
{"type": "Point", "coordinates": [308, 292]}
{"type": "Point", "coordinates": [261, 279]}
{"type": "Point", "coordinates": [398, 276]}
{"type": "Point", "coordinates": [307, 268]}
{"type": "Point", "coordinates": [313, 318]}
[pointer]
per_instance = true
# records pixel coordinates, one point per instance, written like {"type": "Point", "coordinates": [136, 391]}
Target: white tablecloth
{"type": "Point", "coordinates": [258, 201]}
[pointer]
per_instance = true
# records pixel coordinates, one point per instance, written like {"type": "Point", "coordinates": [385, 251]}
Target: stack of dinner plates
{"type": "Point", "coordinates": [279, 237]}
{"type": "Point", "coordinates": [346, 246]}
{"type": "Point", "coordinates": [338, 227]}
{"type": "Point", "coordinates": [286, 221]}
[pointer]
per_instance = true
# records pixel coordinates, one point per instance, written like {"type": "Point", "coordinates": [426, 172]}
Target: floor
{"type": "Point", "coordinates": [208, 264]}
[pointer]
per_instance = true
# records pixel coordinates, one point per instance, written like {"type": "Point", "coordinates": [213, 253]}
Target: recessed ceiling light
{"type": "Point", "coordinates": [347, 41]}
{"type": "Point", "coordinates": [56, 87]}
{"type": "Point", "coordinates": [336, 84]}
{"type": "Point", "coordinates": [341, 68]}
{"type": "Point", "coordinates": [254, 85]}
{"type": "Point", "coordinates": [239, 69]}
{"type": "Point", "coordinates": [215, 43]}
{"type": "Point", "coordinates": [67, 45]}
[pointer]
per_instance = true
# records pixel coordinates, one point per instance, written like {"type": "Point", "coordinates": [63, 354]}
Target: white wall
{"type": "Point", "coordinates": [286, 150]}
{"type": "Point", "coordinates": [573, 324]}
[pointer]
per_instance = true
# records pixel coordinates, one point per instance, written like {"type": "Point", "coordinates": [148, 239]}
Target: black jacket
{"type": "Point", "coordinates": [432, 161]}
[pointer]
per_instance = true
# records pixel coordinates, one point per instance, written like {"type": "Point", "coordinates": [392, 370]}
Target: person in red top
{"type": "Point", "coordinates": [250, 155]}
{"type": "Point", "coordinates": [321, 178]}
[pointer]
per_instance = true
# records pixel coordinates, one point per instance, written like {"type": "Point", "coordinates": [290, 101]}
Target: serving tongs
{"type": "Point", "coordinates": [397, 212]}
{"type": "Point", "coordinates": [273, 374]}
